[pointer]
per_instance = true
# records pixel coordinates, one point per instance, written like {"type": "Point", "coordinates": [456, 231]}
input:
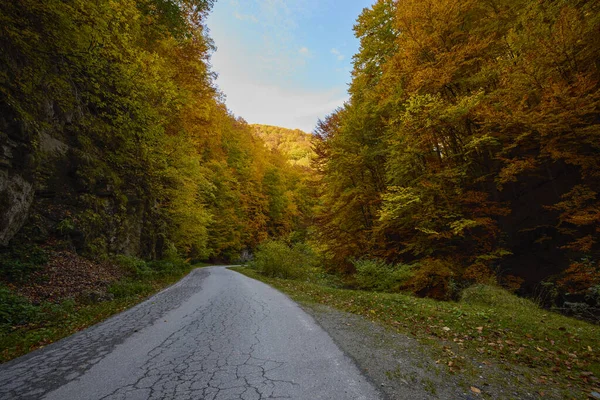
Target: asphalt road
{"type": "Point", "coordinates": [216, 334]}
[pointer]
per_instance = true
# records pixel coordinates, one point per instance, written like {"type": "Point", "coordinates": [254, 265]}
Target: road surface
{"type": "Point", "coordinates": [216, 334]}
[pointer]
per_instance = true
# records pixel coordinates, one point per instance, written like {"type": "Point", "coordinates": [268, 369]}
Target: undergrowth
{"type": "Point", "coordinates": [17, 263]}
{"type": "Point", "coordinates": [381, 276]}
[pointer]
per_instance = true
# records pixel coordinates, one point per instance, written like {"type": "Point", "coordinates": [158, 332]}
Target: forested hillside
{"type": "Point", "coordinates": [293, 143]}
{"type": "Point", "coordinates": [114, 139]}
{"type": "Point", "coordinates": [469, 148]}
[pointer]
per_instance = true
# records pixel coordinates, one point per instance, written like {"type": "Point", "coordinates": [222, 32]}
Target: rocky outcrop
{"type": "Point", "coordinates": [16, 197]}
{"type": "Point", "coordinates": [20, 146]}
{"type": "Point", "coordinates": [42, 193]}
{"type": "Point", "coordinates": [17, 189]}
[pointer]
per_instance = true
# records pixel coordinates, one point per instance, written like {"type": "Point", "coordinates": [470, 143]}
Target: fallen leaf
{"type": "Point", "coordinates": [475, 390]}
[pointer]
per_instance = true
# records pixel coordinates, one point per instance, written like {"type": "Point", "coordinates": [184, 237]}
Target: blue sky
{"type": "Point", "coordinates": [284, 62]}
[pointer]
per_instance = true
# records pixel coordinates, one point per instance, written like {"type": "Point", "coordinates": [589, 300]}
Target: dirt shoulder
{"type": "Point", "coordinates": [403, 368]}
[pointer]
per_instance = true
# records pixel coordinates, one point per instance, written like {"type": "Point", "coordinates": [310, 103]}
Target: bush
{"type": "Point", "coordinates": [434, 278]}
{"type": "Point", "coordinates": [141, 269]}
{"type": "Point", "coordinates": [277, 259]}
{"type": "Point", "coordinates": [132, 265]}
{"type": "Point", "coordinates": [15, 310]}
{"type": "Point", "coordinates": [381, 276]}
{"type": "Point", "coordinates": [17, 263]}
{"type": "Point", "coordinates": [129, 288]}
{"type": "Point", "coordinates": [493, 297]}
{"type": "Point", "coordinates": [167, 267]}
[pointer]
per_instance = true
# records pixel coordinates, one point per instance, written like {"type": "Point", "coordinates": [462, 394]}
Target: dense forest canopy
{"type": "Point", "coordinates": [467, 151]}
{"type": "Point", "coordinates": [469, 147]}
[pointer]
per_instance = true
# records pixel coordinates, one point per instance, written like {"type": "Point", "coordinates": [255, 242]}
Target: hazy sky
{"type": "Point", "coordinates": [284, 62]}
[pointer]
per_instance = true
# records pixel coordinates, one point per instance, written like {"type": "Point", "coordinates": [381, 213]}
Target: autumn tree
{"type": "Point", "coordinates": [467, 146]}
{"type": "Point", "coordinates": [149, 158]}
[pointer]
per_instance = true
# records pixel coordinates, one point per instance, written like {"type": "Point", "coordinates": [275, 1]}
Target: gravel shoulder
{"type": "Point", "coordinates": [403, 368]}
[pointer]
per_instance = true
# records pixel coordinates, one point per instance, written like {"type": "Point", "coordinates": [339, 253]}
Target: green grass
{"type": "Point", "coordinates": [488, 325]}
{"type": "Point", "coordinates": [57, 321]}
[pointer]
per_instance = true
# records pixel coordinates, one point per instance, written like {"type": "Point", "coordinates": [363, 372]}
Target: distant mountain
{"type": "Point", "coordinates": [293, 143]}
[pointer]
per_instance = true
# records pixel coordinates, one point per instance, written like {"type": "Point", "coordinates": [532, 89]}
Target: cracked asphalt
{"type": "Point", "coordinates": [214, 335]}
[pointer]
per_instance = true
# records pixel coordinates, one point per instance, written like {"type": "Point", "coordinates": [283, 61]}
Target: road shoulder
{"type": "Point", "coordinates": [397, 364]}
{"type": "Point", "coordinates": [407, 366]}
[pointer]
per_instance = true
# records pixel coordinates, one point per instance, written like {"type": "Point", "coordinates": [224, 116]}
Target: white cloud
{"type": "Point", "coordinates": [245, 17]}
{"type": "Point", "coordinates": [260, 80]}
{"type": "Point", "coordinates": [337, 53]}
{"type": "Point", "coordinates": [258, 103]}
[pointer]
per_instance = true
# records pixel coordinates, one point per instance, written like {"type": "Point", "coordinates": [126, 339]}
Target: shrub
{"type": "Point", "coordinates": [277, 259]}
{"type": "Point", "coordinates": [17, 263]}
{"type": "Point", "coordinates": [167, 267]}
{"type": "Point", "coordinates": [493, 297]}
{"type": "Point", "coordinates": [433, 278]}
{"type": "Point", "coordinates": [138, 268]}
{"type": "Point", "coordinates": [14, 309]}
{"type": "Point", "coordinates": [129, 288]}
{"type": "Point", "coordinates": [132, 265]}
{"type": "Point", "coordinates": [381, 276]}
{"type": "Point", "coordinates": [170, 253]}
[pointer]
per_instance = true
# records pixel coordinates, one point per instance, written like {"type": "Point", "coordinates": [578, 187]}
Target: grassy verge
{"type": "Point", "coordinates": [489, 326]}
{"type": "Point", "coordinates": [51, 322]}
